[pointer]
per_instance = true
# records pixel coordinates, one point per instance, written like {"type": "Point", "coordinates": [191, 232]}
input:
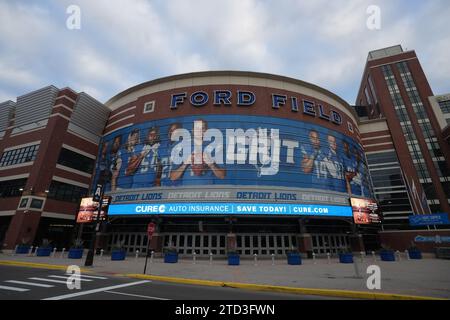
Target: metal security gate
{"type": "Point", "coordinates": [131, 241]}
{"type": "Point", "coordinates": [202, 244]}
{"type": "Point", "coordinates": [332, 243]}
{"type": "Point", "coordinates": [247, 244]}
{"type": "Point", "coordinates": [265, 244]}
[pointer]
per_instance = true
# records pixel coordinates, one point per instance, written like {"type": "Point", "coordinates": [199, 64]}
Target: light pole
{"type": "Point", "coordinates": [99, 193]}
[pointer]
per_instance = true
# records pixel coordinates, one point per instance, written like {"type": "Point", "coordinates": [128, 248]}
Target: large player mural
{"type": "Point", "coordinates": [232, 150]}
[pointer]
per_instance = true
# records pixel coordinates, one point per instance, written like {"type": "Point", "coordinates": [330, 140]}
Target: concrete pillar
{"type": "Point", "coordinates": [156, 242]}
{"type": "Point", "coordinates": [305, 245]}
{"type": "Point", "coordinates": [356, 243]}
{"type": "Point", "coordinates": [231, 242]}
{"type": "Point", "coordinates": [23, 226]}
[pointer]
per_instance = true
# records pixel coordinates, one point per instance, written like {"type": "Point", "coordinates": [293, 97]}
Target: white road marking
{"type": "Point", "coordinates": [48, 280]}
{"type": "Point", "coordinates": [31, 284]}
{"type": "Point", "coordinates": [13, 289]}
{"type": "Point", "coordinates": [83, 293]}
{"type": "Point", "coordinates": [73, 277]}
{"type": "Point", "coordinates": [90, 277]}
{"type": "Point", "coordinates": [136, 295]}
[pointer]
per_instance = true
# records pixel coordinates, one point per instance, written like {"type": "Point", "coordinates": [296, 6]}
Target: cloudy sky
{"type": "Point", "coordinates": [125, 42]}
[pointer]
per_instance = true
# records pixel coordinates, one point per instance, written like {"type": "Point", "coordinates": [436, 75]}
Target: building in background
{"type": "Point", "coordinates": [48, 147]}
{"type": "Point", "coordinates": [441, 108]}
{"type": "Point", "coordinates": [402, 134]}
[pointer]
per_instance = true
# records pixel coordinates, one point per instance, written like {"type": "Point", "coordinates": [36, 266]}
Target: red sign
{"type": "Point", "coordinates": [150, 229]}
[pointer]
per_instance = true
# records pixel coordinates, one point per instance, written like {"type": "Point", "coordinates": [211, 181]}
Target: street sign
{"type": "Point", "coordinates": [97, 193]}
{"type": "Point", "coordinates": [428, 219]}
{"type": "Point", "coordinates": [150, 229]}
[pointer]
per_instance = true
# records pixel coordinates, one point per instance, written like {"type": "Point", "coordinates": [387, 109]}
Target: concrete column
{"type": "Point", "coordinates": [356, 243]}
{"type": "Point", "coordinates": [231, 242]}
{"type": "Point", "coordinates": [304, 243]}
{"type": "Point", "coordinates": [23, 226]}
{"type": "Point", "coordinates": [156, 242]}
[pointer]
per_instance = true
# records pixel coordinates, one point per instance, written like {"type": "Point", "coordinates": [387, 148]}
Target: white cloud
{"type": "Point", "coordinates": [5, 96]}
{"type": "Point", "coordinates": [18, 77]}
{"type": "Point", "coordinates": [122, 43]}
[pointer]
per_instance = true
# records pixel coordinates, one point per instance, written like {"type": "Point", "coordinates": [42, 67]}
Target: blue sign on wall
{"type": "Point", "coordinates": [428, 219]}
{"type": "Point", "coordinates": [232, 150]}
{"type": "Point", "coordinates": [218, 208]}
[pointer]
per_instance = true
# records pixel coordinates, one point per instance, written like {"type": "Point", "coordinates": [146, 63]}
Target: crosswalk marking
{"type": "Point", "coordinates": [90, 277]}
{"type": "Point", "coordinates": [13, 289]}
{"type": "Point", "coordinates": [48, 280]}
{"type": "Point", "coordinates": [67, 277]}
{"type": "Point", "coordinates": [30, 283]}
{"type": "Point", "coordinates": [83, 293]}
{"type": "Point", "coordinates": [136, 295]}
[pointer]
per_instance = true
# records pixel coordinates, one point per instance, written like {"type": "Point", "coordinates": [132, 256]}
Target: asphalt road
{"type": "Point", "coordinates": [19, 283]}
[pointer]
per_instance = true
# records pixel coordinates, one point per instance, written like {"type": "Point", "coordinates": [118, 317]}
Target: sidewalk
{"type": "Point", "coordinates": [427, 277]}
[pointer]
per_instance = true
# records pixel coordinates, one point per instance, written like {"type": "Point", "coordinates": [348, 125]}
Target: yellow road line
{"type": "Point", "coordinates": [283, 289]}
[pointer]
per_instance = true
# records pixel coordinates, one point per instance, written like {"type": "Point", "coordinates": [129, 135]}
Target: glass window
{"type": "Point", "coordinates": [76, 161]}
{"type": "Point", "coordinates": [66, 192]}
{"type": "Point", "coordinates": [17, 156]}
{"type": "Point", "coordinates": [12, 188]}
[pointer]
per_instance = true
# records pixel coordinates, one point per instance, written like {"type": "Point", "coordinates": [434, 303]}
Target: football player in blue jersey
{"type": "Point", "coordinates": [165, 156]}
{"type": "Point", "coordinates": [360, 184]}
{"type": "Point", "coordinates": [349, 166]}
{"type": "Point", "coordinates": [201, 165]}
{"type": "Point", "coordinates": [103, 172]}
{"type": "Point", "coordinates": [127, 164]}
{"type": "Point", "coordinates": [333, 164]}
{"type": "Point", "coordinates": [148, 173]}
{"type": "Point", "coordinates": [312, 154]}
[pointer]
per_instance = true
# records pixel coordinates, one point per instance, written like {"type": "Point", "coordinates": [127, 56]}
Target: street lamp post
{"type": "Point", "coordinates": [90, 256]}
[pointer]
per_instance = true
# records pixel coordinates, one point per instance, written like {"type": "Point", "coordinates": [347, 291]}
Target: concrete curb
{"type": "Point", "coordinates": [248, 286]}
{"type": "Point", "coordinates": [306, 291]}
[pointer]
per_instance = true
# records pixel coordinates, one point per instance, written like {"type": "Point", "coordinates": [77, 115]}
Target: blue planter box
{"type": "Point", "coordinates": [43, 252]}
{"type": "Point", "coordinates": [294, 259]}
{"type": "Point", "coordinates": [415, 254]}
{"type": "Point", "coordinates": [387, 255]}
{"type": "Point", "coordinates": [118, 255]}
{"type": "Point", "coordinates": [346, 257]}
{"type": "Point", "coordinates": [22, 249]}
{"type": "Point", "coordinates": [170, 257]}
{"type": "Point", "coordinates": [234, 260]}
{"type": "Point", "coordinates": [75, 254]}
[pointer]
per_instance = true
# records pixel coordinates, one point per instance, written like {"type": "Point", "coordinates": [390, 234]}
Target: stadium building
{"type": "Point", "coordinates": [229, 161]}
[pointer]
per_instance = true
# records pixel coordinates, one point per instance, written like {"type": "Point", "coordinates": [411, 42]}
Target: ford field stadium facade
{"type": "Point", "coordinates": [220, 161]}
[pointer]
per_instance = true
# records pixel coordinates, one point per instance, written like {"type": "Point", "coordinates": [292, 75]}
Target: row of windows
{"type": "Point", "coordinates": [18, 156]}
{"type": "Point", "coordinates": [66, 192]}
{"type": "Point", "coordinates": [76, 161]}
{"type": "Point", "coordinates": [12, 188]}
{"type": "Point", "coordinates": [425, 126]}
{"type": "Point", "coordinates": [404, 119]}
{"type": "Point", "coordinates": [382, 157]}
{"type": "Point", "coordinates": [445, 106]}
